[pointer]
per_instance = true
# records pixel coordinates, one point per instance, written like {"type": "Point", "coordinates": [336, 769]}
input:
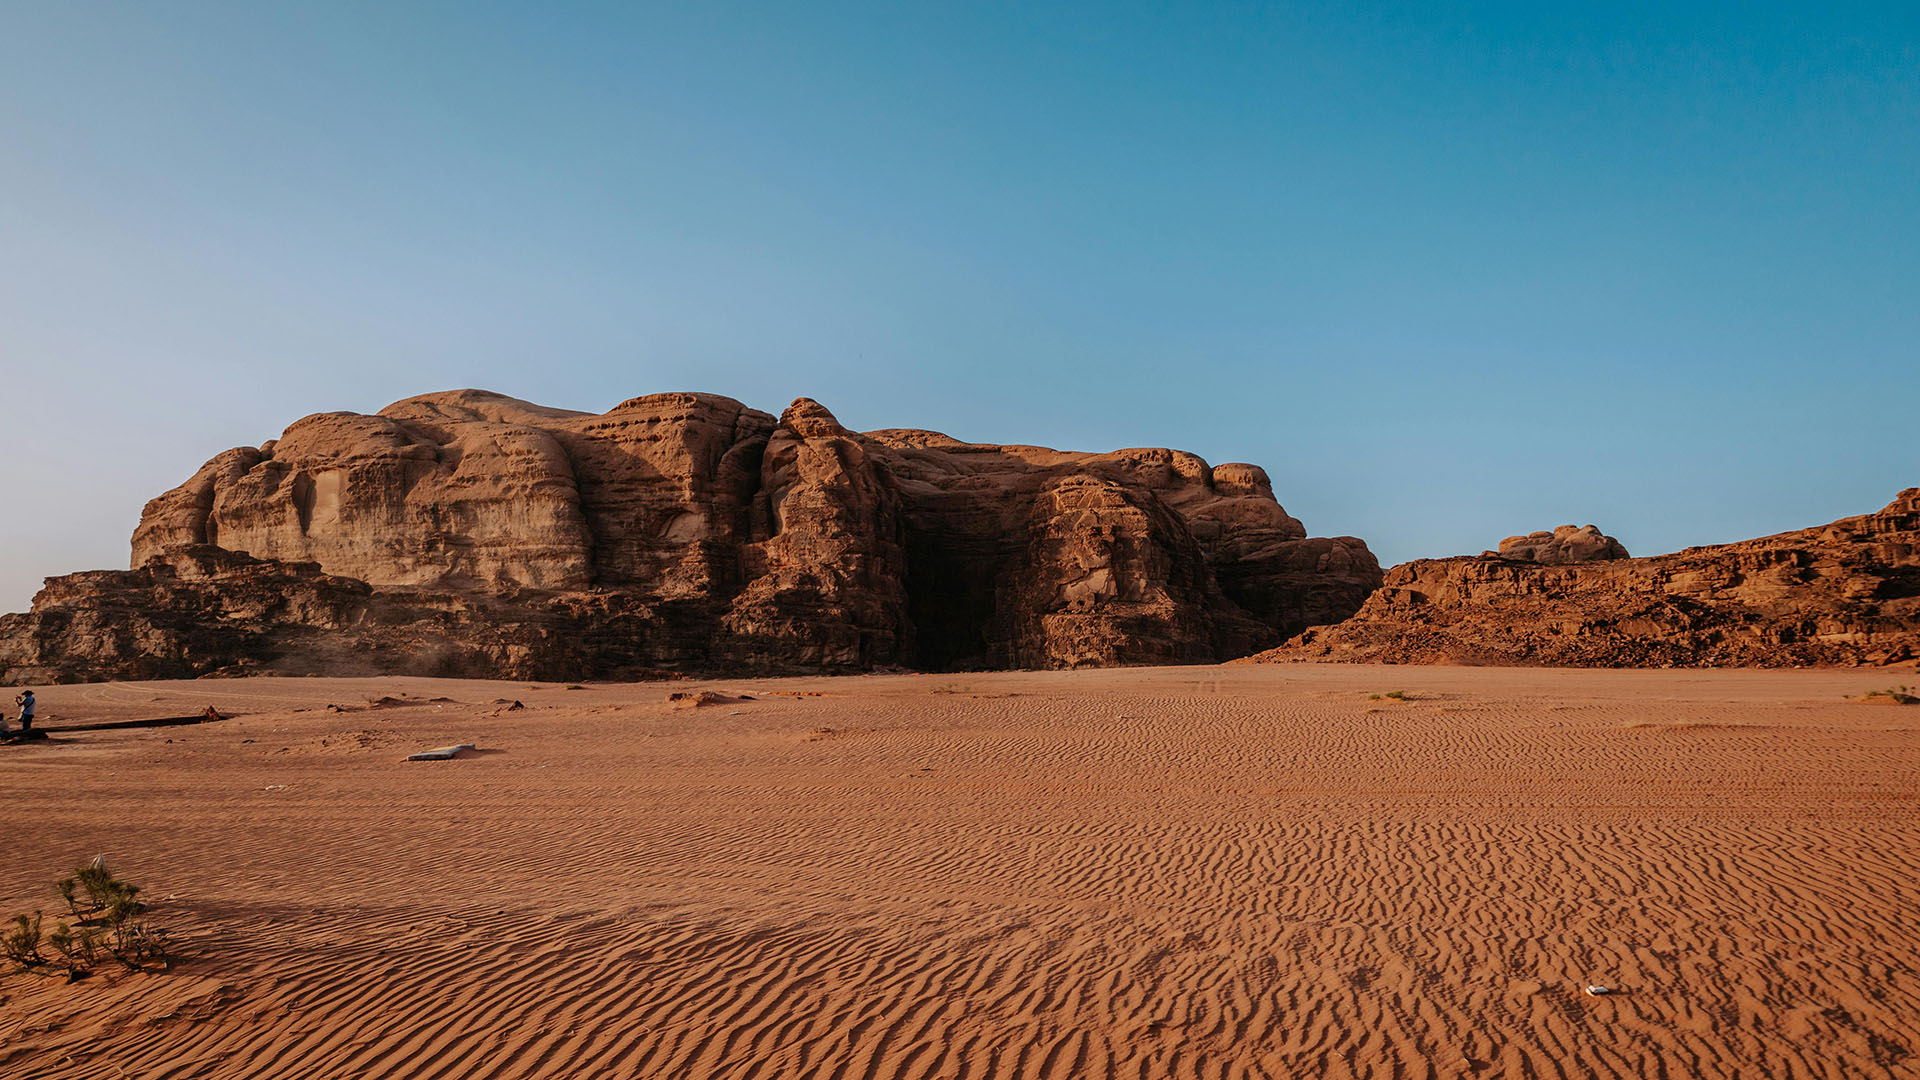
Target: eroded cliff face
{"type": "Point", "coordinates": [1844, 593]}
{"type": "Point", "coordinates": [470, 533]}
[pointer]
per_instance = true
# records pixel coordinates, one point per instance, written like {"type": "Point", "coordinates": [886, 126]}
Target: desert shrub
{"type": "Point", "coordinates": [104, 892]}
{"type": "Point", "coordinates": [1900, 695]}
{"type": "Point", "coordinates": [22, 943]}
{"type": "Point", "coordinates": [79, 948]}
{"type": "Point", "coordinates": [108, 924]}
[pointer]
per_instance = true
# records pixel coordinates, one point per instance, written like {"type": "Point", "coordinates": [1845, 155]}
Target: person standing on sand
{"type": "Point", "coordinates": [25, 700]}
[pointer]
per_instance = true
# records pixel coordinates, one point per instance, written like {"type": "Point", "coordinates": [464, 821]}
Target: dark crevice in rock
{"type": "Point", "coordinates": [951, 588]}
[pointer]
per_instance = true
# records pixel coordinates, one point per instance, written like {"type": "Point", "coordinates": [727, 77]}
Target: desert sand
{"type": "Point", "coordinates": [1241, 871]}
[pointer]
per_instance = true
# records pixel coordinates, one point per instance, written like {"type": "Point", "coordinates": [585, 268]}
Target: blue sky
{"type": "Point", "coordinates": [1447, 271]}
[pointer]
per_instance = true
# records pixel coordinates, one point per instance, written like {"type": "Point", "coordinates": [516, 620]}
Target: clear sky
{"type": "Point", "coordinates": [1448, 271]}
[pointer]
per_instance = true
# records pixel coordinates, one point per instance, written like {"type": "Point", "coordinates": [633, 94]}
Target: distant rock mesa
{"type": "Point", "coordinates": [467, 533]}
{"type": "Point", "coordinates": [1839, 594]}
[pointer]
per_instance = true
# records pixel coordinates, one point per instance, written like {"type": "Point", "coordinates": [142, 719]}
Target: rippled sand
{"type": "Point", "coordinates": [1218, 872]}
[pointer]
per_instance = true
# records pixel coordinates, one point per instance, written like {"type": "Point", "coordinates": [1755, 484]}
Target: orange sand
{"type": "Point", "coordinates": [1219, 872]}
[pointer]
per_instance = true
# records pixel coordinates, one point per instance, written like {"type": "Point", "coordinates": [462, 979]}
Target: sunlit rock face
{"type": "Point", "coordinates": [470, 533]}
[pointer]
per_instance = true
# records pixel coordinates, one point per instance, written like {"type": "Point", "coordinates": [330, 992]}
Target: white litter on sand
{"type": "Point", "coordinates": [444, 753]}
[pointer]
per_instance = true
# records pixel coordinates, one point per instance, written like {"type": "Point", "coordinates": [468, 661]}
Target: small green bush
{"type": "Point", "coordinates": [22, 943]}
{"type": "Point", "coordinates": [108, 923]}
{"type": "Point", "coordinates": [1901, 695]}
{"type": "Point", "coordinates": [79, 949]}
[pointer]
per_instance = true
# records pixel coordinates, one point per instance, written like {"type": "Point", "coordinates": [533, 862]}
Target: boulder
{"type": "Point", "coordinates": [1565, 544]}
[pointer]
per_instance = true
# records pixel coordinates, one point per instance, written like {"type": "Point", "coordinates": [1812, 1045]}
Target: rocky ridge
{"type": "Point", "coordinates": [1844, 593]}
{"type": "Point", "coordinates": [468, 533]}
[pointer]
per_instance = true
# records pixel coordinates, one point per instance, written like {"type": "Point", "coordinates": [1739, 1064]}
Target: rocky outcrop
{"type": "Point", "coordinates": [1566, 544]}
{"type": "Point", "coordinates": [825, 568]}
{"type": "Point", "coordinates": [1103, 563]}
{"type": "Point", "coordinates": [469, 533]}
{"type": "Point", "coordinates": [1845, 593]}
{"type": "Point", "coordinates": [468, 490]}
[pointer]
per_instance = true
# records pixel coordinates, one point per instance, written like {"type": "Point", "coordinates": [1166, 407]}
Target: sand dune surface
{"type": "Point", "coordinates": [1247, 871]}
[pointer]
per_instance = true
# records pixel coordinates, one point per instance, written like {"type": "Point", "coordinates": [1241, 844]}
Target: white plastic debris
{"type": "Point", "coordinates": [1597, 990]}
{"type": "Point", "coordinates": [444, 753]}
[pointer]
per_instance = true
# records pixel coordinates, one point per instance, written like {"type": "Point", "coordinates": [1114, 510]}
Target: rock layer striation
{"type": "Point", "coordinates": [1844, 593]}
{"type": "Point", "coordinates": [473, 534]}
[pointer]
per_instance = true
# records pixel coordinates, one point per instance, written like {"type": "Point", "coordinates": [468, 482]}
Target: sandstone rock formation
{"type": "Point", "coordinates": [1566, 544]}
{"type": "Point", "coordinates": [469, 533]}
{"type": "Point", "coordinates": [1845, 593]}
